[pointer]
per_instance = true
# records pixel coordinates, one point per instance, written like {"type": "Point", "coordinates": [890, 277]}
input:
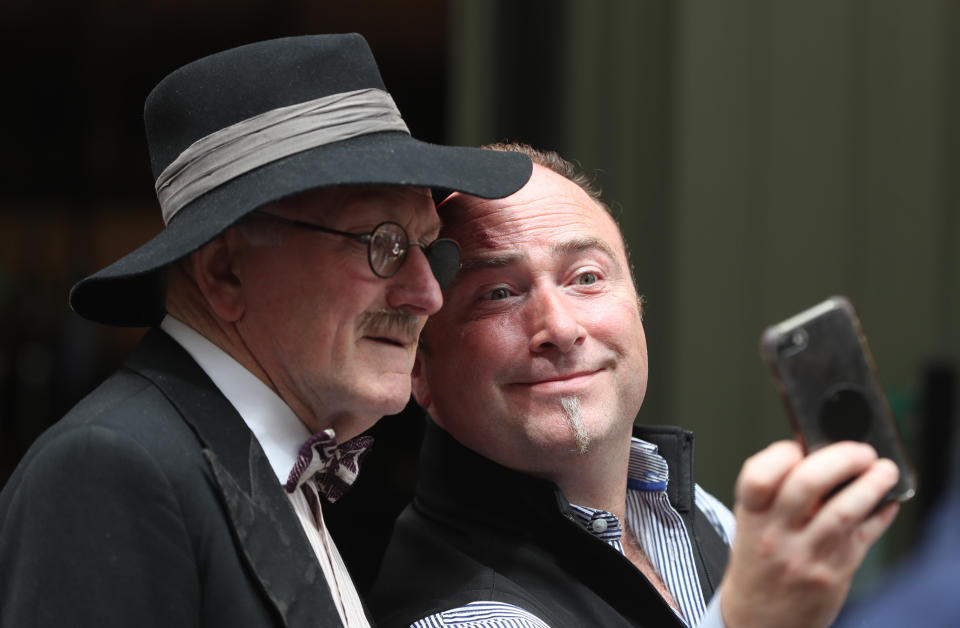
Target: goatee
{"type": "Point", "coordinates": [571, 408]}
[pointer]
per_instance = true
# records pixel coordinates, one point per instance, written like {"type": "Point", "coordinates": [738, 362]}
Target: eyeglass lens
{"type": "Point", "coordinates": [444, 258]}
{"type": "Point", "coordinates": [389, 246]}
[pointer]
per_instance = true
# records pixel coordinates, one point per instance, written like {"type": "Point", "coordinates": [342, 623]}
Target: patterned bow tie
{"type": "Point", "coordinates": [332, 467]}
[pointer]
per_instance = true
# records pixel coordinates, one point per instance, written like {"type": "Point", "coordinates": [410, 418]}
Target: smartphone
{"type": "Point", "coordinates": [825, 374]}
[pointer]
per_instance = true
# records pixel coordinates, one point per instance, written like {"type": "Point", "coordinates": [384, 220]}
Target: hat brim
{"type": "Point", "coordinates": [130, 291]}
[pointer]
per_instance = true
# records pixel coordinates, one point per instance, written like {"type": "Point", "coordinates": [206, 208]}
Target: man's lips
{"type": "Point", "coordinates": [562, 381]}
{"type": "Point", "coordinates": [404, 343]}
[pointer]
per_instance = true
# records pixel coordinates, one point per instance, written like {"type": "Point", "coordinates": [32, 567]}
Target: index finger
{"type": "Point", "coordinates": [762, 474]}
{"type": "Point", "coordinates": [819, 474]}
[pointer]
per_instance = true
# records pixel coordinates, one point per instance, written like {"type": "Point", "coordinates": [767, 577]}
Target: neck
{"type": "Point", "coordinates": [598, 479]}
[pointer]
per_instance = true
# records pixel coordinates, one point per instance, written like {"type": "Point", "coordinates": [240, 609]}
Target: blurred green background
{"type": "Point", "coordinates": [761, 155]}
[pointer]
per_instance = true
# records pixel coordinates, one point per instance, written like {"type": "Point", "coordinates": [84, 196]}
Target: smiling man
{"type": "Point", "coordinates": [540, 504]}
{"type": "Point", "coordinates": [287, 291]}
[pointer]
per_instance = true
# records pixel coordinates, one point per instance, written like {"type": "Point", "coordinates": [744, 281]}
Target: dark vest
{"type": "Point", "coordinates": [479, 531]}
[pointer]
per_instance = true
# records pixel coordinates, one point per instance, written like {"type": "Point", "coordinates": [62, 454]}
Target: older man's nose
{"type": "Point", "coordinates": [414, 288]}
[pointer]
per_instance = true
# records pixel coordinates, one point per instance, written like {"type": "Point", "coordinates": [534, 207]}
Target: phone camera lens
{"type": "Point", "coordinates": [799, 338]}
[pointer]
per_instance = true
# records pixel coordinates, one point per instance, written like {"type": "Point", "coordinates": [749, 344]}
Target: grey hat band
{"type": "Point", "coordinates": [239, 148]}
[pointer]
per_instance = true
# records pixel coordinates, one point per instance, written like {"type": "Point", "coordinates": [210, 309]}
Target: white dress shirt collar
{"type": "Point", "coordinates": [275, 426]}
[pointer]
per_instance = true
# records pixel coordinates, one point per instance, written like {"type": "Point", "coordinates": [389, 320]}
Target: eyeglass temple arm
{"type": "Point", "coordinates": [363, 238]}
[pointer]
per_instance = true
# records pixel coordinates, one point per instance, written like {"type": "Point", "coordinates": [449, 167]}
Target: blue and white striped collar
{"type": "Point", "coordinates": [600, 523]}
{"type": "Point", "coordinates": [647, 471]}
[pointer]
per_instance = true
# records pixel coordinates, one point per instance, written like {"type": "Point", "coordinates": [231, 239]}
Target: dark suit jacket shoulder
{"type": "Point", "coordinates": [478, 531]}
{"type": "Point", "coordinates": [151, 504]}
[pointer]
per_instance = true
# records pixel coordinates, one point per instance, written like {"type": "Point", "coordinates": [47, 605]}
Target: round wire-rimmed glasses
{"type": "Point", "coordinates": [387, 247]}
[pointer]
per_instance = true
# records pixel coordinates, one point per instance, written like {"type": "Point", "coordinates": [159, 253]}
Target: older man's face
{"type": "Point", "coordinates": [538, 353]}
{"type": "Point", "coordinates": [337, 341]}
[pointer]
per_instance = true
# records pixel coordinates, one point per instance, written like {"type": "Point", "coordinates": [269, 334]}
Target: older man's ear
{"type": "Point", "coordinates": [214, 271]}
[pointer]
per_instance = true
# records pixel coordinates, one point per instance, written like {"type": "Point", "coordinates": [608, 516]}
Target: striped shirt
{"type": "Point", "coordinates": [659, 530]}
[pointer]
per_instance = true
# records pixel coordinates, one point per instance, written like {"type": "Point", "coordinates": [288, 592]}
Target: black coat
{"type": "Point", "coordinates": [151, 504]}
{"type": "Point", "coordinates": [479, 531]}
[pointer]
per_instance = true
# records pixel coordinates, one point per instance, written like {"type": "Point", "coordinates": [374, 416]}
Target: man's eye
{"type": "Point", "coordinates": [586, 279]}
{"type": "Point", "coordinates": [496, 294]}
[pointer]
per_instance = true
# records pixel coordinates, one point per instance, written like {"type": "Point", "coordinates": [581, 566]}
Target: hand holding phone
{"type": "Point", "coordinates": [824, 371]}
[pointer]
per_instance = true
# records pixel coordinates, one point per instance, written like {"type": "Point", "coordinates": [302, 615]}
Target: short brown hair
{"type": "Point", "coordinates": [552, 160]}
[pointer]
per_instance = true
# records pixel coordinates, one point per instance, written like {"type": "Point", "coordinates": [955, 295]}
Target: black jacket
{"type": "Point", "coordinates": [479, 531]}
{"type": "Point", "coordinates": [152, 504]}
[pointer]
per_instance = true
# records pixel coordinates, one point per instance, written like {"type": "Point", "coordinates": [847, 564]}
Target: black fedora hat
{"type": "Point", "coordinates": [242, 128]}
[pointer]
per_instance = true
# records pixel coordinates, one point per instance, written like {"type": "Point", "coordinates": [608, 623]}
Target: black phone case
{"type": "Point", "coordinates": [825, 374]}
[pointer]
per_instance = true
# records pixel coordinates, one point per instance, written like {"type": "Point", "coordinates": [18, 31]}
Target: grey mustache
{"type": "Point", "coordinates": [392, 323]}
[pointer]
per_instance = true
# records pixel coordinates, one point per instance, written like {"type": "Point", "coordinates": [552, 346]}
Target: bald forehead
{"type": "Point", "coordinates": [486, 223]}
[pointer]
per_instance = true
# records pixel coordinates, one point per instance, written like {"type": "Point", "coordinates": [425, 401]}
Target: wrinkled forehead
{"type": "Point", "coordinates": [548, 209]}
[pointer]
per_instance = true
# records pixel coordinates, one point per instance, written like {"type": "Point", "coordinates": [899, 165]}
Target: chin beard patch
{"type": "Point", "coordinates": [571, 408]}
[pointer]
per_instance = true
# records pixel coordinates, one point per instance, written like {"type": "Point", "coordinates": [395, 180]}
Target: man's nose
{"type": "Point", "coordinates": [414, 288]}
{"type": "Point", "coordinates": [556, 323]}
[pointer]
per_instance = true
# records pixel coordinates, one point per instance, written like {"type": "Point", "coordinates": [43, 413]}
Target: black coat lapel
{"type": "Point", "coordinates": [265, 525]}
